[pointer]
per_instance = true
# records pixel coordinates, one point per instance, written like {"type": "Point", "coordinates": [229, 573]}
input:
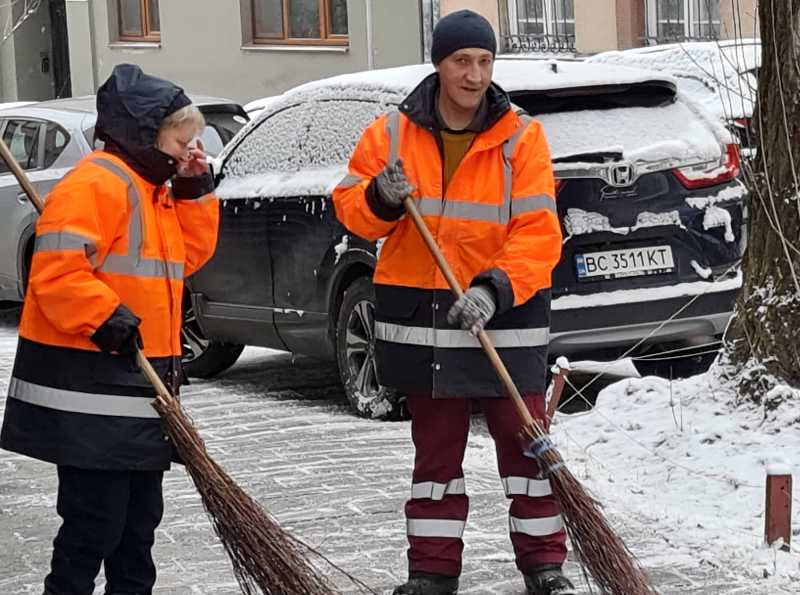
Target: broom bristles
{"type": "Point", "coordinates": [596, 544]}
{"type": "Point", "coordinates": [263, 555]}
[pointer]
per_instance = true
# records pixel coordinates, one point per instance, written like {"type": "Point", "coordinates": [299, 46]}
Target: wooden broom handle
{"type": "Point", "coordinates": [152, 376]}
{"type": "Point", "coordinates": [524, 415]}
{"type": "Point", "coordinates": [37, 202]}
{"type": "Point", "coordinates": [21, 177]}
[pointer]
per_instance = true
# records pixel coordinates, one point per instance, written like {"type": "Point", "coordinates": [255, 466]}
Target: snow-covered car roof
{"type": "Point", "coordinates": [512, 75]}
{"type": "Point", "coordinates": [390, 86]}
{"type": "Point", "coordinates": [741, 54]}
{"type": "Point", "coordinates": [14, 104]}
{"type": "Point", "coordinates": [255, 107]}
{"type": "Point", "coordinates": [662, 131]}
{"type": "Point", "coordinates": [718, 75]}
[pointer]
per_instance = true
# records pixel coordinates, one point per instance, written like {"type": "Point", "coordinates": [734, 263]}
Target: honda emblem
{"type": "Point", "coordinates": [620, 175]}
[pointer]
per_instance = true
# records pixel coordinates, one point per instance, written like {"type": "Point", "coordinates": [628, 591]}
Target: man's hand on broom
{"type": "Point", "coordinates": [473, 309]}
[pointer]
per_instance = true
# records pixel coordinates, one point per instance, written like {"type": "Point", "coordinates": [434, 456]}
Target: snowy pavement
{"type": "Point", "coordinates": [282, 430]}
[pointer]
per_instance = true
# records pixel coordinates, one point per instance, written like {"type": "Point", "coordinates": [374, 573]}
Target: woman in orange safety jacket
{"type": "Point", "coordinates": [113, 247]}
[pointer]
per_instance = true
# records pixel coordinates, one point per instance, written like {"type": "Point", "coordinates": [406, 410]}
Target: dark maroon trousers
{"type": "Point", "coordinates": [437, 511]}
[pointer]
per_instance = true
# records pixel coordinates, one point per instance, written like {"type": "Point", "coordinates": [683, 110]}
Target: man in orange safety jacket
{"type": "Point", "coordinates": [481, 177]}
{"type": "Point", "coordinates": [113, 247]}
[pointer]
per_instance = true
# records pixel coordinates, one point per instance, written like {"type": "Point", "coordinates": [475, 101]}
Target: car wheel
{"type": "Point", "coordinates": [355, 355]}
{"type": "Point", "coordinates": [201, 357]}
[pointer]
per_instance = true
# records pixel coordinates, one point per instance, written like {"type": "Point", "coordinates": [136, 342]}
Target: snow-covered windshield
{"type": "Point", "coordinates": [300, 150]}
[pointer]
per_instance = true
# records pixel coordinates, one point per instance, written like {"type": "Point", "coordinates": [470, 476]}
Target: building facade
{"type": "Point", "coordinates": [247, 49]}
{"type": "Point", "coordinates": [240, 49]}
{"type": "Point", "coordinates": [34, 51]}
{"type": "Point", "coordinates": [585, 27]}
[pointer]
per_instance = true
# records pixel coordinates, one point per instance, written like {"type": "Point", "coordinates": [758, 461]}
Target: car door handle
{"type": "Point", "coordinates": [22, 198]}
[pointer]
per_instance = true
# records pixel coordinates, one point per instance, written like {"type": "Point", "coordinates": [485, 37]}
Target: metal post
{"type": "Point", "coordinates": [778, 516]}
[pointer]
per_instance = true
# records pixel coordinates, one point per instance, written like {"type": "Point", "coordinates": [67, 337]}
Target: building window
{"type": "Point", "coordinates": [679, 20]}
{"type": "Point", "coordinates": [537, 25]}
{"type": "Point", "coordinates": [300, 21]}
{"type": "Point", "coordinates": [138, 20]}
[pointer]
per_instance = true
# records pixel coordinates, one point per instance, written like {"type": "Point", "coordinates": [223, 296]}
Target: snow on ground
{"type": "Point", "coordinates": [677, 488]}
{"type": "Point", "coordinates": [682, 455]}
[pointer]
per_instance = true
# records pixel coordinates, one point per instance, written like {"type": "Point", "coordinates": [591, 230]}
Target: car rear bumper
{"type": "Point", "coordinates": [679, 319]}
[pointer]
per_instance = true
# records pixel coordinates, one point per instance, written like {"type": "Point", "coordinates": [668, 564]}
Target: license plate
{"type": "Point", "coordinates": [650, 260]}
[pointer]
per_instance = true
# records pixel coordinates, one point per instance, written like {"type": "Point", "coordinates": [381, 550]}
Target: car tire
{"type": "Point", "coordinates": [201, 357]}
{"type": "Point", "coordinates": [355, 356]}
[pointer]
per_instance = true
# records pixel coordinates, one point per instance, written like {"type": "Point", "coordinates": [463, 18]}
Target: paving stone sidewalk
{"type": "Point", "coordinates": [282, 429]}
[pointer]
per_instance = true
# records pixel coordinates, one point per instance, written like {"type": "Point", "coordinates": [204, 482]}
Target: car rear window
{"type": "Point", "coordinates": [670, 132]}
{"type": "Point", "coordinates": [647, 94]}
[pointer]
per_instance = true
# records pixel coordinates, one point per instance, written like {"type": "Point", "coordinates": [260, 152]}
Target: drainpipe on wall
{"type": "Point", "coordinates": [370, 36]}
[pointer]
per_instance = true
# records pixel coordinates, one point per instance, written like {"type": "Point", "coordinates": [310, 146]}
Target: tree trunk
{"type": "Point", "coordinates": [767, 325]}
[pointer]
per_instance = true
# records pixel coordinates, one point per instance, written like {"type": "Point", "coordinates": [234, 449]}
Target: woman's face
{"type": "Point", "coordinates": [177, 141]}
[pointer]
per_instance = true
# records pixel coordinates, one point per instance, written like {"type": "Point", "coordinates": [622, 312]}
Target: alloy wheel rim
{"type": "Point", "coordinates": [360, 350]}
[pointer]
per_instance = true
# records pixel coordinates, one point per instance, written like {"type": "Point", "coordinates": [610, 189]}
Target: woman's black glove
{"type": "Point", "coordinates": [120, 333]}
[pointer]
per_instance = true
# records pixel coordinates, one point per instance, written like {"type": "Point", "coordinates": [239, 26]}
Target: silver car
{"type": "Point", "coordinates": [47, 139]}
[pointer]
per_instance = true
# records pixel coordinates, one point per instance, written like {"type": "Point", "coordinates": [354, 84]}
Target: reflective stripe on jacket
{"type": "Point", "coordinates": [496, 223]}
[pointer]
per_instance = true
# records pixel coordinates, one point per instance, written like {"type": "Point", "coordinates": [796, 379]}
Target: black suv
{"type": "Point", "coordinates": [648, 194]}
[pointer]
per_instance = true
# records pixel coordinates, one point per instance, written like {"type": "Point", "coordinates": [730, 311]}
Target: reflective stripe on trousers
{"type": "Point", "coordinates": [78, 402]}
{"type": "Point", "coordinates": [436, 491]}
{"type": "Point", "coordinates": [447, 528]}
{"type": "Point", "coordinates": [541, 527]}
{"type": "Point", "coordinates": [526, 486]}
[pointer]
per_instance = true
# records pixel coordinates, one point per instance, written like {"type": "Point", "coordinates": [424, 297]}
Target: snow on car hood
{"type": "Point", "coordinates": [307, 182]}
{"type": "Point", "coordinates": [717, 76]}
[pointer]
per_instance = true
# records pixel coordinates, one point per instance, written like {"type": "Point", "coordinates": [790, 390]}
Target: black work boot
{"type": "Point", "coordinates": [426, 583]}
{"type": "Point", "coordinates": [548, 580]}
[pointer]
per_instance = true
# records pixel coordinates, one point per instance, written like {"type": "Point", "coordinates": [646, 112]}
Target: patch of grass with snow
{"type": "Point", "coordinates": [690, 458]}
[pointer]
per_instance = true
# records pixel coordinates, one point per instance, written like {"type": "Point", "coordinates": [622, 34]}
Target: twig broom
{"type": "Point", "coordinates": [263, 555]}
{"type": "Point", "coordinates": [599, 548]}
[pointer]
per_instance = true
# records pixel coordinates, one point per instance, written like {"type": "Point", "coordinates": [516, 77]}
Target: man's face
{"type": "Point", "coordinates": [465, 75]}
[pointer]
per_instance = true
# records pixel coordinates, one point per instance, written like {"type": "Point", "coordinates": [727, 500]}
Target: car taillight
{"type": "Point", "coordinates": [742, 123]}
{"type": "Point", "coordinates": [703, 176]}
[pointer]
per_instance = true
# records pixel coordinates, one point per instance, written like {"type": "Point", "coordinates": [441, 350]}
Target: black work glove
{"type": "Point", "coordinates": [474, 309]}
{"type": "Point", "coordinates": [393, 185]}
{"type": "Point", "coordinates": [119, 333]}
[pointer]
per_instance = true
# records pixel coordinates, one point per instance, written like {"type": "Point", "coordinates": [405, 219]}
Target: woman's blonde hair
{"type": "Point", "coordinates": [187, 114]}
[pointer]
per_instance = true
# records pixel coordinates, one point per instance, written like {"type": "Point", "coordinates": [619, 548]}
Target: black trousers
{"type": "Point", "coordinates": [109, 517]}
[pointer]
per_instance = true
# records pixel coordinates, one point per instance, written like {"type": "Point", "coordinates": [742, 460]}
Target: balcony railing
{"type": "Point", "coordinates": [537, 43]}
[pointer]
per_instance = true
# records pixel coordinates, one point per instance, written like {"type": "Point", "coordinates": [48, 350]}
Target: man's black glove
{"type": "Point", "coordinates": [119, 333]}
{"type": "Point", "coordinates": [473, 309]}
{"type": "Point", "coordinates": [393, 185]}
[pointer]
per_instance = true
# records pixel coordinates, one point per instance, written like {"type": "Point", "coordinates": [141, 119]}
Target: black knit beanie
{"type": "Point", "coordinates": [459, 30]}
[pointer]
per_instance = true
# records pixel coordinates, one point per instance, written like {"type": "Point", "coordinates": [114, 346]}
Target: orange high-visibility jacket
{"type": "Point", "coordinates": [496, 223]}
{"type": "Point", "coordinates": [106, 237]}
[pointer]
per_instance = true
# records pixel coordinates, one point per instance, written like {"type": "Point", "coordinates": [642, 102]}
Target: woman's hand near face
{"type": "Point", "coordinates": [195, 164]}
